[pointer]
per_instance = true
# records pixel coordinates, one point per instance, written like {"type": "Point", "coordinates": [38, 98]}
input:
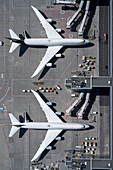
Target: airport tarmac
{"type": "Point", "coordinates": [15, 73]}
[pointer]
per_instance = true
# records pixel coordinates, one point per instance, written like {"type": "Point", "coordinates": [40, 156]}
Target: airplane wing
{"type": "Point", "coordinates": [50, 115]}
{"type": "Point", "coordinates": [50, 136]}
{"type": "Point", "coordinates": [50, 31]}
{"type": "Point", "coordinates": [51, 51]}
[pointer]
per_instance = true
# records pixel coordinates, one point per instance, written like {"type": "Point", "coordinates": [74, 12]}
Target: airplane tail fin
{"type": "Point", "coordinates": [14, 128]}
{"type": "Point", "coordinates": [16, 41]}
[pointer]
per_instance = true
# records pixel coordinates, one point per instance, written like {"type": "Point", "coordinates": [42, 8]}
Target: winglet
{"type": "Point", "coordinates": [34, 74]}
{"type": "Point", "coordinates": [34, 158]}
{"type": "Point", "coordinates": [34, 9]}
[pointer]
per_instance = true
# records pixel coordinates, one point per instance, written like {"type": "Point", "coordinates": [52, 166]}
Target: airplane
{"type": "Point", "coordinates": [54, 126]}
{"type": "Point", "coordinates": [54, 42]}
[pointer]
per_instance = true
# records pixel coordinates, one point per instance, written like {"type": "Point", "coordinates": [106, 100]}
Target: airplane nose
{"type": "Point", "coordinates": [86, 126]}
{"type": "Point", "coordinates": [86, 41]}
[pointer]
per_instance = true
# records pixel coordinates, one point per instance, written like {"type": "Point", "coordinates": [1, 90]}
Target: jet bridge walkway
{"type": "Point", "coordinates": [65, 2]}
{"type": "Point", "coordinates": [75, 15]}
{"type": "Point", "coordinates": [84, 19]}
{"type": "Point", "coordinates": [75, 103]}
{"type": "Point", "coordinates": [84, 105]}
{"type": "Point", "coordinates": [80, 114]}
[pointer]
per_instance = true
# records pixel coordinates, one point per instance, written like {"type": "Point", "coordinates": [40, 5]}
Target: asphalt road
{"type": "Point", "coordinates": [103, 45]}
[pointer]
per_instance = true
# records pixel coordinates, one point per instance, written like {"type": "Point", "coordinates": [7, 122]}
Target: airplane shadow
{"type": "Point", "coordinates": [76, 109]}
{"type": "Point", "coordinates": [23, 49]}
{"type": "Point", "coordinates": [91, 15]}
{"type": "Point", "coordinates": [45, 152]}
{"type": "Point", "coordinates": [102, 3]}
{"type": "Point", "coordinates": [72, 8]}
{"type": "Point", "coordinates": [53, 22]}
{"type": "Point", "coordinates": [53, 60]}
{"type": "Point", "coordinates": [53, 104]}
{"type": "Point", "coordinates": [54, 142]}
{"type": "Point", "coordinates": [87, 111]}
{"type": "Point", "coordinates": [22, 120]}
{"type": "Point", "coordinates": [76, 23]}
{"type": "Point", "coordinates": [92, 100]}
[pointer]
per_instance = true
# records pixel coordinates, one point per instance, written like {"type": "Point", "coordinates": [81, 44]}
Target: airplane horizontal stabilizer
{"type": "Point", "coordinates": [13, 47]}
{"type": "Point", "coordinates": [14, 121]}
{"type": "Point", "coordinates": [14, 129]}
{"type": "Point", "coordinates": [16, 40]}
{"type": "Point", "coordinates": [13, 35]}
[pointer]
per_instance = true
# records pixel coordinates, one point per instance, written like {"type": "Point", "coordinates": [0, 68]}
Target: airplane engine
{"type": "Point", "coordinates": [58, 55]}
{"type": "Point", "coordinates": [49, 103]}
{"type": "Point", "coordinates": [59, 138]}
{"type": "Point", "coordinates": [58, 113]}
{"type": "Point", "coordinates": [58, 30]}
{"type": "Point", "coordinates": [49, 64]}
{"type": "Point", "coordinates": [49, 20]}
{"type": "Point", "coordinates": [49, 148]}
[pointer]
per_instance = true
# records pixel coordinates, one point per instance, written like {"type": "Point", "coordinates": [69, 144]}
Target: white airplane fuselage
{"type": "Point", "coordinates": [52, 126]}
{"type": "Point", "coordinates": [55, 42]}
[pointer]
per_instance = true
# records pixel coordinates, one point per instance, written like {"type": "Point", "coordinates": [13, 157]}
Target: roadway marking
{"type": "Point", "coordinates": [7, 43]}
{"type": "Point", "coordinates": [18, 152]}
{"type": "Point", "coordinates": [18, 67]}
{"type": "Point", "coordinates": [7, 144]}
{"type": "Point", "coordinates": [5, 94]}
{"type": "Point", "coordinates": [67, 51]}
{"type": "Point", "coordinates": [4, 125]}
{"type": "Point", "coordinates": [56, 20]}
